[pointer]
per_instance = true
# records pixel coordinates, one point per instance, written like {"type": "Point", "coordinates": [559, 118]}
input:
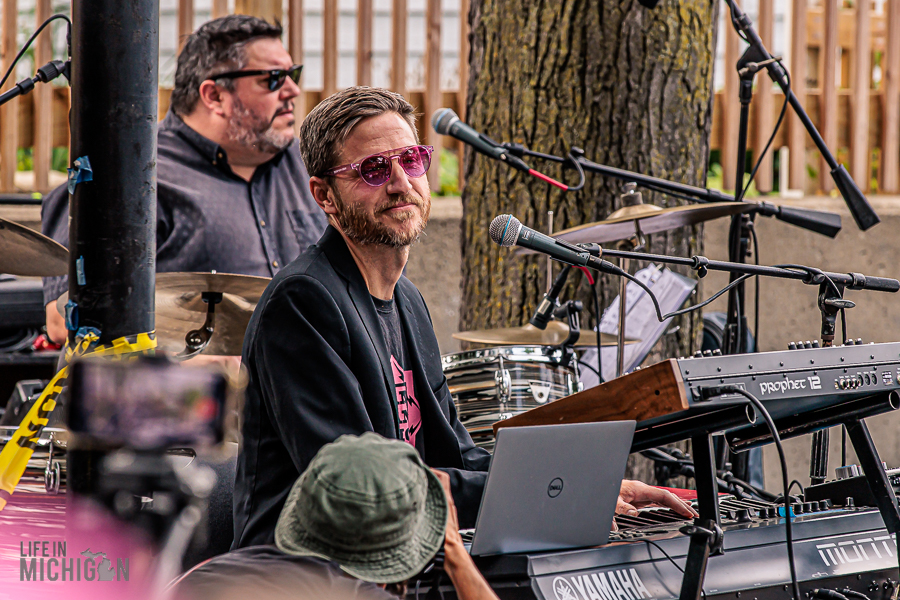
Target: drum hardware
{"type": "Point", "coordinates": [494, 384]}
{"type": "Point", "coordinates": [53, 471]}
{"type": "Point", "coordinates": [197, 340]}
{"type": "Point", "coordinates": [504, 384]}
{"type": "Point", "coordinates": [630, 199]}
{"type": "Point", "coordinates": [181, 300]}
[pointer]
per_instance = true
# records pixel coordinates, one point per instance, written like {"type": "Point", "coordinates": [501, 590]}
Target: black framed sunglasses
{"type": "Point", "coordinates": [276, 77]}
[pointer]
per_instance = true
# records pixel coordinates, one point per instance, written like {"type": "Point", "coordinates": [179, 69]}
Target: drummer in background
{"type": "Point", "coordinates": [233, 193]}
{"type": "Point", "coordinates": [342, 343]}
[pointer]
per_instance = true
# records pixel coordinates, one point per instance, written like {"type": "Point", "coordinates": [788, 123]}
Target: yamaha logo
{"type": "Point", "coordinates": [555, 488]}
{"type": "Point", "coordinates": [563, 589]}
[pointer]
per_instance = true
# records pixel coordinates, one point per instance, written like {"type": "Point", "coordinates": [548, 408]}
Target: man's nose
{"type": "Point", "coordinates": [399, 182]}
{"type": "Point", "coordinates": [289, 90]}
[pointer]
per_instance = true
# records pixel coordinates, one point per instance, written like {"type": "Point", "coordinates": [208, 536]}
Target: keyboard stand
{"type": "Point", "coordinates": [706, 532]}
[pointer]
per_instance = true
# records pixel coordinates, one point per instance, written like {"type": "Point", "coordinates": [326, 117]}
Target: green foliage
{"type": "Point", "coordinates": [449, 184]}
{"type": "Point", "coordinates": [25, 159]}
{"type": "Point", "coordinates": [714, 181]}
{"type": "Point", "coordinates": [59, 161]}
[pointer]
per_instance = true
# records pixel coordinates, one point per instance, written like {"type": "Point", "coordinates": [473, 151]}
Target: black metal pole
{"type": "Point", "coordinates": [115, 66]}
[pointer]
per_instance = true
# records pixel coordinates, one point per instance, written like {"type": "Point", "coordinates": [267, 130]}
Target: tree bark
{"type": "Point", "coordinates": [629, 85]}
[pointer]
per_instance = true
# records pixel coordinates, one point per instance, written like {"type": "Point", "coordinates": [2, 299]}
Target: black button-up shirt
{"type": "Point", "coordinates": [208, 218]}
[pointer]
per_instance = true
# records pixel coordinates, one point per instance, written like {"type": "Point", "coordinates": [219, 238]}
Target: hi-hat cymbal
{"type": "Point", "coordinates": [180, 308]}
{"type": "Point", "coordinates": [622, 224]}
{"type": "Point", "coordinates": [529, 335]}
{"type": "Point", "coordinates": [26, 252]}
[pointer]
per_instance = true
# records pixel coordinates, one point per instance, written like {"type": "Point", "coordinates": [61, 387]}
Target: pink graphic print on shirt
{"type": "Point", "coordinates": [407, 405]}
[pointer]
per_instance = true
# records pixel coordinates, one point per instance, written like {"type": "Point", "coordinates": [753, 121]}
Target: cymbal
{"type": "Point", "coordinates": [621, 224]}
{"type": "Point", "coordinates": [529, 335]}
{"type": "Point", "coordinates": [24, 251]}
{"type": "Point", "coordinates": [180, 308]}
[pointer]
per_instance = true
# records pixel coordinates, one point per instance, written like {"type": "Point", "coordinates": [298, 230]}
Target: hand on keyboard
{"type": "Point", "coordinates": [634, 495]}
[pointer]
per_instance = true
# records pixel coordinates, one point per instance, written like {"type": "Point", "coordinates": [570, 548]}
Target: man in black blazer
{"type": "Point", "coordinates": [341, 342]}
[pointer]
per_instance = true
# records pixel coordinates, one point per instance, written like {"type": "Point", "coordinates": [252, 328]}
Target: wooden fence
{"type": "Point", "coordinates": [857, 114]}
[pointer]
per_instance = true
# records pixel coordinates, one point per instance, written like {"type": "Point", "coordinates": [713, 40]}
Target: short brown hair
{"type": "Point", "coordinates": [216, 47]}
{"type": "Point", "coordinates": [330, 123]}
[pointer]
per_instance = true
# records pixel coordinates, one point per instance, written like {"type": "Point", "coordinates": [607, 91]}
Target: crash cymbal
{"type": "Point", "coordinates": [180, 308]}
{"type": "Point", "coordinates": [26, 252]}
{"type": "Point", "coordinates": [621, 224]}
{"type": "Point", "coordinates": [529, 335]}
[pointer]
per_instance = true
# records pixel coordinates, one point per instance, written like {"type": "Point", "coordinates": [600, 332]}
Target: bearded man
{"type": "Point", "coordinates": [233, 193]}
{"type": "Point", "coordinates": [341, 342]}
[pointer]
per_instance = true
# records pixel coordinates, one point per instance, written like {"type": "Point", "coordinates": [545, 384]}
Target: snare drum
{"type": "Point", "coordinates": [492, 384]}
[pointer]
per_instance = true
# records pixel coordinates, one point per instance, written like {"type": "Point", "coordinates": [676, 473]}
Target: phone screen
{"type": "Point", "coordinates": [146, 404]}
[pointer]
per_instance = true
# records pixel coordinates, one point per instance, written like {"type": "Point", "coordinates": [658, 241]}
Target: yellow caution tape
{"type": "Point", "coordinates": [19, 449]}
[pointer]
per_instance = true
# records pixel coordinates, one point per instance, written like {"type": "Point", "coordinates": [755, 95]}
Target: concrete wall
{"type": "Point", "coordinates": [788, 309]}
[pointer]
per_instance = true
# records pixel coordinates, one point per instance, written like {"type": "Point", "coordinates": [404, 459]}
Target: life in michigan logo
{"type": "Point", "coordinates": [49, 561]}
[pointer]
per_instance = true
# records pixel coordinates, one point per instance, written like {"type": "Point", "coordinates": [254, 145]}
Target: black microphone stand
{"type": "Point", "coordinates": [824, 223]}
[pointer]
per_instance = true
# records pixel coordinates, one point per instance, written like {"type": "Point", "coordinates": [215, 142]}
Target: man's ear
{"type": "Point", "coordinates": [213, 97]}
{"type": "Point", "coordinates": [323, 195]}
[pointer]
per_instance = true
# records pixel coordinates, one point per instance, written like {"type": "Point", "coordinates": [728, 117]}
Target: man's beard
{"type": "Point", "coordinates": [363, 228]}
{"type": "Point", "coordinates": [253, 131]}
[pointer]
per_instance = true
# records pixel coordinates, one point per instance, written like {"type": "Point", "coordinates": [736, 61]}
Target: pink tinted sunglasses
{"type": "Point", "coordinates": [376, 170]}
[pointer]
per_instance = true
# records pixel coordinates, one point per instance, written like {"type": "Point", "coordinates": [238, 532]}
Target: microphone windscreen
{"type": "Point", "coordinates": [442, 119]}
{"type": "Point", "coordinates": [504, 230]}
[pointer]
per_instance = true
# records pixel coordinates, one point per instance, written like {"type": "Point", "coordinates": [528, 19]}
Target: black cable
{"type": "Point", "coordinates": [799, 485]}
{"type": "Point", "coordinates": [713, 391]}
{"type": "Point", "coordinates": [853, 594]}
{"type": "Point", "coordinates": [589, 368]}
{"type": "Point", "coordinates": [574, 160]}
{"type": "Point", "coordinates": [613, 269]}
{"type": "Point", "coordinates": [30, 40]}
{"type": "Point", "coordinates": [597, 318]}
{"type": "Point", "coordinates": [756, 292]}
{"type": "Point", "coordinates": [671, 560]}
{"type": "Point", "coordinates": [774, 133]}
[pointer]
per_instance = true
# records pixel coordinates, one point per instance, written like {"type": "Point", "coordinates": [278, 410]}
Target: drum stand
{"type": "Point", "coordinates": [629, 197]}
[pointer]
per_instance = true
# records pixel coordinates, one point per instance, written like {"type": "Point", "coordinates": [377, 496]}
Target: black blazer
{"type": "Point", "coordinates": [319, 368]}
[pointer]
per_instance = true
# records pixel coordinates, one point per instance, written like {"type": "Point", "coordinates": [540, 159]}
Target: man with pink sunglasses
{"type": "Point", "coordinates": [342, 343]}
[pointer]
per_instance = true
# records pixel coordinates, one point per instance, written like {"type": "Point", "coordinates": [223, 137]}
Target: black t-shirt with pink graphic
{"type": "Point", "coordinates": [404, 390]}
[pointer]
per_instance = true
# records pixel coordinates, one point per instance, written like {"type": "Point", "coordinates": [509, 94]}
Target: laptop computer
{"type": "Point", "coordinates": [552, 487]}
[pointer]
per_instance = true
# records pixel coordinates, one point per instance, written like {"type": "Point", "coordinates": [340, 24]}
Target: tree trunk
{"type": "Point", "coordinates": [629, 85]}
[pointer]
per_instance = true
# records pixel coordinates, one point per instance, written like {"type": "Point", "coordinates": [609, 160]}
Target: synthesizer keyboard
{"type": "Point", "coordinates": [802, 389]}
{"type": "Point", "coordinates": [834, 548]}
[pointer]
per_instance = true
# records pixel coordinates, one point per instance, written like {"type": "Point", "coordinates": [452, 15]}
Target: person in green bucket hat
{"type": "Point", "coordinates": [365, 516]}
{"type": "Point", "coordinates": [371, 505]}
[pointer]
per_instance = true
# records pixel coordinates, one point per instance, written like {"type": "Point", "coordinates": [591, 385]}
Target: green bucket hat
{"type": "Point", "coordinates": [369, 504]}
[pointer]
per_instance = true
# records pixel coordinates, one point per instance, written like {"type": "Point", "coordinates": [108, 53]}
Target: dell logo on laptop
{"type": "Point", "coordinates": [555, 488]}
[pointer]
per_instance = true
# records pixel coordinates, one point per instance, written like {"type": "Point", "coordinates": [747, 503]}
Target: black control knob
{"type": "Point", "coordinates": [807, 507]}
{"type": "Point", "coordinates": [792, 346]}
{"type": "Point", "coordinates": [743, 515]}
{"type": "Point", "coordinates": [707, 353]}
{"type": "Point", "coordinates": [815, 344]}
{"type": "Point", "coordinates": [825, 504]}
{"type": "Point", "coordinates": [859, 341]}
